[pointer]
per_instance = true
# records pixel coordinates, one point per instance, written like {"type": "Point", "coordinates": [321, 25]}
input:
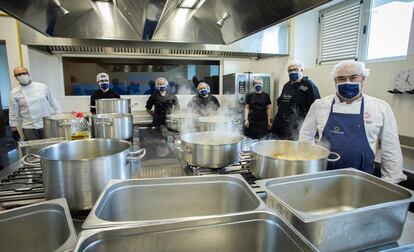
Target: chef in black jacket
{"type": "Point", "coordinates": [162, 101]}
{"type": "Point", "coordinates": [203, 103]}
{"type": "Point", "coordinates": [103, 92]}
{"type": "Point", "coordinates": [257, 112]}
{"type": "Point", "coordinates": [293, 104]}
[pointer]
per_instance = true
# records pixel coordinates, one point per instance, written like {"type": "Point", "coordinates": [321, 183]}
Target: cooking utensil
{"type": "Point", "coordinates": [181, 122]}
{"type": "Point", "coordinates": [275, 158]}
{"type": "Point", "coordinates": [113, 105]}
{"type": "Point", "coordinates": [211, 149]}
{"type": "Point", "coordinates": [45, 226]}
{"type": "Point", "coordinates": [340, 210]}
{"type": "Point", "coordinates": [65, 125]}
{"type": "Point", "coordinates": [113, 126]}
{"type": "Point", "coordinates": [79, 170]}
{"type": "Point", "coordinates": [260, 231]}
{"type": "Point", "coordinates": [218, 123]}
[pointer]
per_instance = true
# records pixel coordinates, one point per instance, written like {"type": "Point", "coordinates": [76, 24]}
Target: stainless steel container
{"type": "Point", "coordinates": [211, 149]}
{"type": "Point", "coordinates": [181, 122]}
{"type": "Point", "coordinates": [112, 126]}
{"type": "Point", "coordinates": [79, 170]}
{"type": "Point", "coordinates": [144, 201]}
{"type": "Point", "coordinates": [218, 123]}
{"type": "Point", "coordinates": [255, 231]}
{"type": "Point", "coordinates": [278, 158]}
{"type": "Point", "coordinates": [62, 125]}
{"type": "Point", "coordinates": [34, 146]}
{"type": "Point", "coordinates": [340, 210]}
{"type": "Point", "coordinates": [114, 105]}
{"type": "Point", "coordinates": [45, 226]}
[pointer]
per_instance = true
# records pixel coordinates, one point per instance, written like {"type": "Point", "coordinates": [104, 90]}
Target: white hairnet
{"type": "Point", "coordinates": [203, 83]}
{"type": "Point", "coordinates": [295, 63]}
{"type": "Point", "coordinates": [161, 79]}
{"type": "Point", "coordinates": [102, 76]}
{"type": "Point", "coordinates": [349, 67]}
{"type": "Point", "coordinates": [257, 81]}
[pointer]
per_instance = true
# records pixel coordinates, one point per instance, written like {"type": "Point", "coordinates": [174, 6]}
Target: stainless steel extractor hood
{"type": "Point", "coordinates": [209, 22]}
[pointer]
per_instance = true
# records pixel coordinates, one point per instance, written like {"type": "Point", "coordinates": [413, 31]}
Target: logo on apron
{"type": "Point", "coordinates": [337, 130]}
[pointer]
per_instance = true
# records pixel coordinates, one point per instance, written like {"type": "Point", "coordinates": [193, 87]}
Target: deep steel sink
{"type": "Point", "coordinates": [341, 210]}
{"type": "Point", "coordinates": [145, 201]}
{"type": "Point", "coordinates": [257, 231]}
{"type": "Point", "coordinates": [42, 227]}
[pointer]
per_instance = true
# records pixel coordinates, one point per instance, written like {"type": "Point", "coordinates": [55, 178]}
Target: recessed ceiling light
{"type": "Point", "coordinates": [188, 4]}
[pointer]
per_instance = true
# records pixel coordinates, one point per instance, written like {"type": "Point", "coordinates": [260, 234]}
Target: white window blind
{"type": "Point", "coordinates": [339, 29]}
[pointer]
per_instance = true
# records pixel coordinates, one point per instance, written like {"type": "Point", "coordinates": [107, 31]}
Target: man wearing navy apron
{"type": "Point", "coordinates": [355, 125]}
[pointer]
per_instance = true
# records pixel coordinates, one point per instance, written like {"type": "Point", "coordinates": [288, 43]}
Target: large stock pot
{"type": "Point", "coordinates": [218, 123]}
{"type": "Point", "coordinates": [278, 158]}
{"type": "Point", "coordinates": [113, 126]}
{"type": "Point", "coordinates": [79, 170]}
{"type": "Point", "coordinates": [63, 125]}
{"type": "Point", "coordinates": [113, 105]}
{"type": "Point", "coordinates": [181, 121]}
{"type": "Point", "coordinates": [211, 149]}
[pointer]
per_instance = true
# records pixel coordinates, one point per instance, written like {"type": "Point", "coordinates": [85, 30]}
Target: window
{"type": "Point", "coordinates": [4, 77]}
{"type": "Point", "coordinates": [346, 32]}
{"type": "Point", "coordinates": [389, 20]}
{"type": "Point", "coordinates": [137, 76]}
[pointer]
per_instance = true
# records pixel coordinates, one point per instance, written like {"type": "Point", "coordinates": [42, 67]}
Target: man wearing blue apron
{"type": "Point", "coordinates": [355, 125]}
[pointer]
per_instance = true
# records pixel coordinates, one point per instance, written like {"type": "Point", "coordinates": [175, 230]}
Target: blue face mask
{"type": "Point", "coordinates": [163, 88]}
{"type": "Point", "coordinates": [349, 90]}
{"type": "Point", "coordinates": [203, 92]}
{"type": "Point", "coordinates": [294, 76]}
{"type": "Point", "coordinates": [104, 86]}
{"type": "Point", "coordinates": [258, 88]}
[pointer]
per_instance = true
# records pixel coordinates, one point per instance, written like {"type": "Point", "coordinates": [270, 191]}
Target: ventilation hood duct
{"type": "Point", "coordinates": [215, 22]}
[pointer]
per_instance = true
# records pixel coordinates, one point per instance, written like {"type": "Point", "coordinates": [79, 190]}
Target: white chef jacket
{"type": "Point", "coordinates": [380, 128]}
{"type": "Point", "coordinates": [30, 103]}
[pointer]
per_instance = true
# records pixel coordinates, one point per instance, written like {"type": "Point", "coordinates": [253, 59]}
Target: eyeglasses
{"type": "Point", "coordinates": [352, 78]}
{"type": "Point", "coordinates": [20, 74]}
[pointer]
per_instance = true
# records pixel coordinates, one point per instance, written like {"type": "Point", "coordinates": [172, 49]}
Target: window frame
{"type": "Point", "coordinates": [363, 34]}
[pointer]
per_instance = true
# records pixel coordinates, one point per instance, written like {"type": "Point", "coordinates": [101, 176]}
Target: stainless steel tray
{"type": "Point", "coordinates": [341, 210]}
{"type": "Point", "coordinates": [42, 227]}
{"type": "Point", "coordinates": [255, 231]}
{"type": "Point", "coordinates": [148, 201]}
{"type": "Point", "coordinates": [33, 146]}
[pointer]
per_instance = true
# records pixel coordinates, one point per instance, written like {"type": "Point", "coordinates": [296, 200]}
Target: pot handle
{"type": "Point", "coordinates": [335, 159]}
{"type": "Point", "coordinates": [23, 160]}
{"type": "Point", "coordinates": [103, 123]}
{"type": "Point", "coordinates": [141, 153]}
{"type": "Point", "coordinates": [64, 124]}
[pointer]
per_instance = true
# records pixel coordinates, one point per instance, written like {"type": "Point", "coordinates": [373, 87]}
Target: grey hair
{"type": "Point", "coordinates": [356, 67]}
{"type": "Point", "coordinates": [295, 63]}
{"type": "Point", "coordinates": [199, 84]}
{"type": "Point", "coordinates": [257, 81]}
{"type": "Point", "coordinates": [160, 79]}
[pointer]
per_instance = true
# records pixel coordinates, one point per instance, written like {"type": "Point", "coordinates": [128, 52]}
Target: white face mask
{"type": "Point", "coordinates": [24, 79]}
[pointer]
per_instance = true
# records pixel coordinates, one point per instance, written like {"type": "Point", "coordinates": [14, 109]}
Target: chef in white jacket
{"type": "Point", "coordinates": [355, 125]}
{"type": "Point", "coordinates": [29, 103]}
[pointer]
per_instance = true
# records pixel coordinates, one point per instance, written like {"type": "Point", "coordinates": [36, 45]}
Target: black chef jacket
{"type": "Point", "coordinates": [99, 94]}
{"type": "Point", "coordinates": [293, 105]}
{"type": "Point", "coordinates": [257, 114]}
{"type": "Point", "coordinates": [203, 105]}
{"type": "Point", "coordinates": [162, 106]}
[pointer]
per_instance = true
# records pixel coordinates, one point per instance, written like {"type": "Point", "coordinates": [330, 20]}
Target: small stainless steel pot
{"type": "Point", "coordinates": [181, 121]}
{"type": "Point", "coordinates": [79, 170]}
{"type": "Point", "coordinates": [211, 149]}
{"type": "Point", "coordinates": [265, 163]}
{"type": "Point", "coordinates": [217, 123]}
{"type": "Point", "coordinates": [114, 105]}
{"type": "Point", "coordinates": [61, 125]}
{"type": "Point", "coordinates": [113, 126]}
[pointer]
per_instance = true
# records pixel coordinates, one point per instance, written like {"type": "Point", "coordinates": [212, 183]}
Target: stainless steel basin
{"type": "Point", "coordinates": [147, 201]}
{"type": "Point", "coordinates": [42, 227]}
{"type": "Point", "coordinates": [341, 210]}
{"type": "Point", "coordinates": [258, 231]}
